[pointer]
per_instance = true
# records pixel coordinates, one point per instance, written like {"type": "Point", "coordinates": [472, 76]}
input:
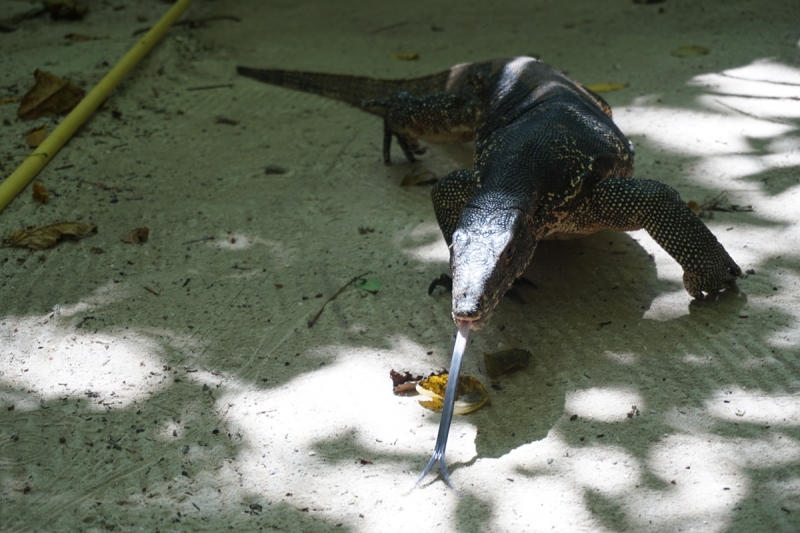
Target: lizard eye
{"type": "Point", "coordinates": [509, 255]}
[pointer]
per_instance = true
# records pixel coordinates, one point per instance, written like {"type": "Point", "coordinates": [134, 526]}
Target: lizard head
{"type": "Point", "coordinates": [487, 253]}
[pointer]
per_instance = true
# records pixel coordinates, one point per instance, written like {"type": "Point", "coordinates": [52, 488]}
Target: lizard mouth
{"type": "Point", "coordinates": [461, 321]}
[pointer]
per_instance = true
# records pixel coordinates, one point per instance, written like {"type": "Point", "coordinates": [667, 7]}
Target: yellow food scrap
{"type": "Point", "coordinates": [470, 394]}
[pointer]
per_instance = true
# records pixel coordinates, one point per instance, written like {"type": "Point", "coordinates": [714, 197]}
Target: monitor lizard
{"type": "Point", "coordinates": [548, 160]}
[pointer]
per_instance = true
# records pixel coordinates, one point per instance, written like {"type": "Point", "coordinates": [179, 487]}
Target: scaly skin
{"type": "Point", "coordinates": [548, 159]}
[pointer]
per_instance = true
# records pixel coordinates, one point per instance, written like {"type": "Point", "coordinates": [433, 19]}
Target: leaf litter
{"type": "Point", "coordinates": [49, 96]}
{"type": "Point", "coordinates": [41, 193]}
{"type": "Point", "coordinates": [43, 237]}
{"type": "Point", "coordinates": [137, 236]}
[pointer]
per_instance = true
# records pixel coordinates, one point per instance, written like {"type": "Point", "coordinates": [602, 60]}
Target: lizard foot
{"type": "Point", "coordinates": [722, 276]}
{"type": "Point", "coordinates": [443, 280]}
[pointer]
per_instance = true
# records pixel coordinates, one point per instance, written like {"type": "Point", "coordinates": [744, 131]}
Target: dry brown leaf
{"type": "Point", "coordinates": [41, 193]}
{"type": "Point", "coordinates": [403, 381]}
{"type": "Point", "coordinates": [36, 136]}
{"type": "Point", "coordinates": [43, 237]}
{"type": "Point", "coordinates": [137, 236]}
{"type": "Point", "coordinates": [50, 95]}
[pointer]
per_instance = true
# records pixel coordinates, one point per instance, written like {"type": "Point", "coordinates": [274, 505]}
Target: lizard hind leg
{"type": "Point", "coordinates": [443, 117]}
{"type": "Point", "coordinates": [390, 109]}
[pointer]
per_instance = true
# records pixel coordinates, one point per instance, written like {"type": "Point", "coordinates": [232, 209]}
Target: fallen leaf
{"type": "Point", "coordinates": [369, 285]}
{"type": "Point", "coordinates": [42, 237]}
{"type": "Point", "coordinates": [398, 378]}
{"type": "Point", "coordinates": [79, 38]}
{"type": "Point", "coordinates": [69, 10]}
{"type": "Point", "coordinates": [499, 363]}
{"type": "Point", "coordinates": [41, 193]}
{"type": "Point", "coordinates": [36, 136]}
{"type": "Point", "coordinates": [690, 51]}
{"type": "Point", "coordinates": [137, 236]}
{"type": "Point", "coordinates": [418, 176]}
{"type": "Point", "coordinates": [606, 87]}
{"type": "Point", "coordinates": [50, 95]}
{"type": "Point", "coordinates": [405, 56]}
{"type": "Point", "coordinates": [403, 381]}
{"type": "Point", "coordinates": [470, 394]}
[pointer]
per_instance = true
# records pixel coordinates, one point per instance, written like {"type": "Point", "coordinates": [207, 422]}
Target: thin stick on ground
{"type": "Point", "coordinates": [333, 297]}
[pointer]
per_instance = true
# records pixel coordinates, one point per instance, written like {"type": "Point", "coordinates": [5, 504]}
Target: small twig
{"type": "Point", "coordinates": [745, 113]}
{"type": "Point", "coordinates": [333, 297]}
{"type": "Point", "coordinates": [150, 290]}
{"type": "Point", "coordinates": [208, 87]}
{"type": "Point", "coordinates": [759, 81]}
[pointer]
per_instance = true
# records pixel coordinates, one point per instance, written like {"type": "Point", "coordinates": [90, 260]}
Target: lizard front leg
{"type": "Point", "coordinates": [444, 117]}
{"type": "Point", "coordinates": [631, 204]}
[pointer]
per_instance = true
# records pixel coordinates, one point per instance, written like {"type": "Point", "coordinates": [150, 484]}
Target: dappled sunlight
{"type": "Point", "coordinates": [663, 414]}
{"type": "Point", "coordinates": [755, 407]}
{"type": "Point", "coordinates": [351, 394]}
{"type": "Point", "coordinates": [668, 305]}
{"type": "Point", "coordinates": [423, 243]}
{"type": "Point", "coordinates": [604, 404]}
{"type": "Point", "coordinates": [53, 356]}
{"type": "Point", "coordinates": [695, 360]}
{"type": "Point", "coordinates": [338, 419]}
{"type": "Point", "coordinates": [696, 133]}
{"type": "Point", "coordinates": [55, 361]}
{"type": "Point", "coordinates": [622, 358]}
{"type": "Point", "coordinates": [764, 89]}
{"type": "Point", "coordinates": [741, 133]}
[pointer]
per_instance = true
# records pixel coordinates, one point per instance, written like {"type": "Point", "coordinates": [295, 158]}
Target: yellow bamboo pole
{"type": "Point", "coordinates": [34, 163]}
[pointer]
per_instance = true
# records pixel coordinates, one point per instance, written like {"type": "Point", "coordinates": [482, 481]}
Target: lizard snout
{"type": "Point", "coordinates": [468, 306]}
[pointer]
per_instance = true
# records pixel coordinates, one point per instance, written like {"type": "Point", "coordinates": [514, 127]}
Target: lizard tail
{"type": "Point", "coordinates": [354, 90]}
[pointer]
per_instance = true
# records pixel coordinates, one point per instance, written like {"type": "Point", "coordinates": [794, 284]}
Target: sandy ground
{"type": "Point", "coordinates": [175, 386]}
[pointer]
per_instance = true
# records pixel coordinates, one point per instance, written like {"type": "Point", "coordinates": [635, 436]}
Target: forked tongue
{"type": "Point", "coordinates": [449, 402]}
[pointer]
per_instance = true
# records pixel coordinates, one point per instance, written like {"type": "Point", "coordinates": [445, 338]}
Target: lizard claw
{"type": "Point", "coordinates": [443, 280]}
{"type": "Point", "coordinates": [722, 276]}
